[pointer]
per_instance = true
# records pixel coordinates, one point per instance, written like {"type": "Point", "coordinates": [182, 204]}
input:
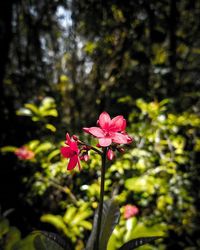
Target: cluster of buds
{"type": "Point", "coordinates": [110, 133]}
{"type": "Point", "coordinates": [84, 149]}
{"type": "Point", "coordinates": [84, 156]}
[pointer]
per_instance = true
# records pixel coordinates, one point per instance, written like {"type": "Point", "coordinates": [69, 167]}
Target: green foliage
{"type": "Point", "coordinates": [9, 235]}
{"type": "Point", "coordinates": [10, 239]}
{"type": "Point", "coordinates": [154, 174]}
{"type": "Point", "coordinates": [132, 229]}
{"type": "Point", "coordinates": [40, 240]}
{"type": "Point", "coordinates": [73, 222]}
{"type": "Point", "coordinates": [89, 56]}
{"type": "Point", "coordinates": [47, 108]}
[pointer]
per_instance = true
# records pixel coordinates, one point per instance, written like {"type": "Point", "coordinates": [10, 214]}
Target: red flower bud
{"type": "Point", "coordinates": [121, 150]}
{"type": "Point", "coordinates": [110, 155]}
{"type": "Point", "coordinates": [75, 137]}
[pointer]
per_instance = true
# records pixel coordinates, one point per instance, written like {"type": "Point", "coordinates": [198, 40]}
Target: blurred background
{"type": "Point", "coordinates": [62, 63]}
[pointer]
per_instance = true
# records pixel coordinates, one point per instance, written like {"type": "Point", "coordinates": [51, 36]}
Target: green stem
{"type": "Point", "coordinates": [100, 210]}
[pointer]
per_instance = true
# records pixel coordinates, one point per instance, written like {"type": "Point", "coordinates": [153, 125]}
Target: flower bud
{"type": "Point", "coordinates": [85, 157]}
{"type": "Point", "coordinates": [86, 147]}
{"type": "Point", "coordinates": [110, 155]}
{"type": "Point", "coordinates": [121, 150]}
{"type": "Point", "coordinates": [75, 137]}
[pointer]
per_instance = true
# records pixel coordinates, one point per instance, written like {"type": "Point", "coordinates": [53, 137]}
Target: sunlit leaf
{"type": "Point", "coordinates": [43, 147]}
{"type": "Point", "coordinates": [55, 220]}
{"type": "Point", "coordinates": [32, 107]}
{"type": "Point", "coordinates": [7, 149]}
{"type": "Point", "coordinates": [50, 127]}
{"type": "Point", "coordinates": [132, 244]}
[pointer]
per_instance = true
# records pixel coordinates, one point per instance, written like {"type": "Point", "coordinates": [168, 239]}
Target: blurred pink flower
{"type": "Point", "coordinates": [23, 153]}
{"type": "Point", "coordinates": [130, 211]}
{"type": "Point", "coordinates": [110, 130]}
{"type": "Point", "coordinates": [71, 151]}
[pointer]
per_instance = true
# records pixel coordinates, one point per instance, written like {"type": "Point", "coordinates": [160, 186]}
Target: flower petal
{"type": "Point", "coordinates": [105, 142]}
{"type": "Point", "coordinates": [97, 132]}
{"type": "Point", "coordinates": [118, 124]}
{"type": "Point", "coordinates": [72, 162]}
{"type": "Point", "coordinates": [68, 139]}
{"type": "Point", "coordinates": [74, 146]}
{"type": "Point", "coordinates": [104, 120]}
{"type": "Point", "coordinates": [66, 152]}
{"type": "Point", "coordinates": [124, 125]}
{"type": "Point", "coordinates": [120, 138]}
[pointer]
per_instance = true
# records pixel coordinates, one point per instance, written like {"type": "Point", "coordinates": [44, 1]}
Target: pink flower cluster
{"type": "Point", "coordinates": [110, 133]}
{"type": "Point", "coordinates": [23, 153]}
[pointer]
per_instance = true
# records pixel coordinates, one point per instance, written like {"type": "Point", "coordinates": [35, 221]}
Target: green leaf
{"type": "Point", "coordinates": [110, 218]}
{"type": "Point", "coordinates": [55, 220]}
{"type": "Point", "coordinates": [80, 216]}
{"type": "Point", "coordinates": [50, 127]}
{"type": "Point", "coordinates": [12, 237]}
{"type": "Point", "coordinates": [4, 227]}
{"type": "Point", "coordinates": [41, 240]}
{"type": "Point", "coordinates": [53, 154]}
{"type": "Point", "coordinates": [7, 149]}
{"type": "Point", "coordinates": [51, 112]}
{"type": "Point", "coordinates": [69, 214]}
{"type": "Point", "coordinates": [32, 107]}
{"type": "Point", "coordinates": [49, 241]}
{"type": "Point", "coordinates": [86, 224]}
{"type": "Point", "coordinates": [132, 244]}
{"type": "Point", "coordinates": [33, 144]}
{"type": "Point", "coordinates": [43, 147]}
{"type": "Point", "coordinates": [24, 112]}
{"type": "Point", "coordinates": [48, 102]}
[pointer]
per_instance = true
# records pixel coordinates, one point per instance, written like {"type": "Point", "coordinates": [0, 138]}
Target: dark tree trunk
{"type": "Point", "coordinates": [172, 89]}
{"type": "Point", "coordinates": [5, 37]}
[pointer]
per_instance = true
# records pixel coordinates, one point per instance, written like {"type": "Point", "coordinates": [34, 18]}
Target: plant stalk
{"type": "Point", "coordinates": [100, 210]}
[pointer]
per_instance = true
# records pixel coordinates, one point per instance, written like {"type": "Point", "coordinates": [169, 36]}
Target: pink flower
{"type": "Point", "coordinates": [71, 151]}
{"type": "Point", "coordinates": [110, 130]}
{"type": "Point", "coordinates": [130, 211]}
{"type": "Point", "coordinates": [23, 153]}
{"type": "Point", "coordinates": [110, 154]}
